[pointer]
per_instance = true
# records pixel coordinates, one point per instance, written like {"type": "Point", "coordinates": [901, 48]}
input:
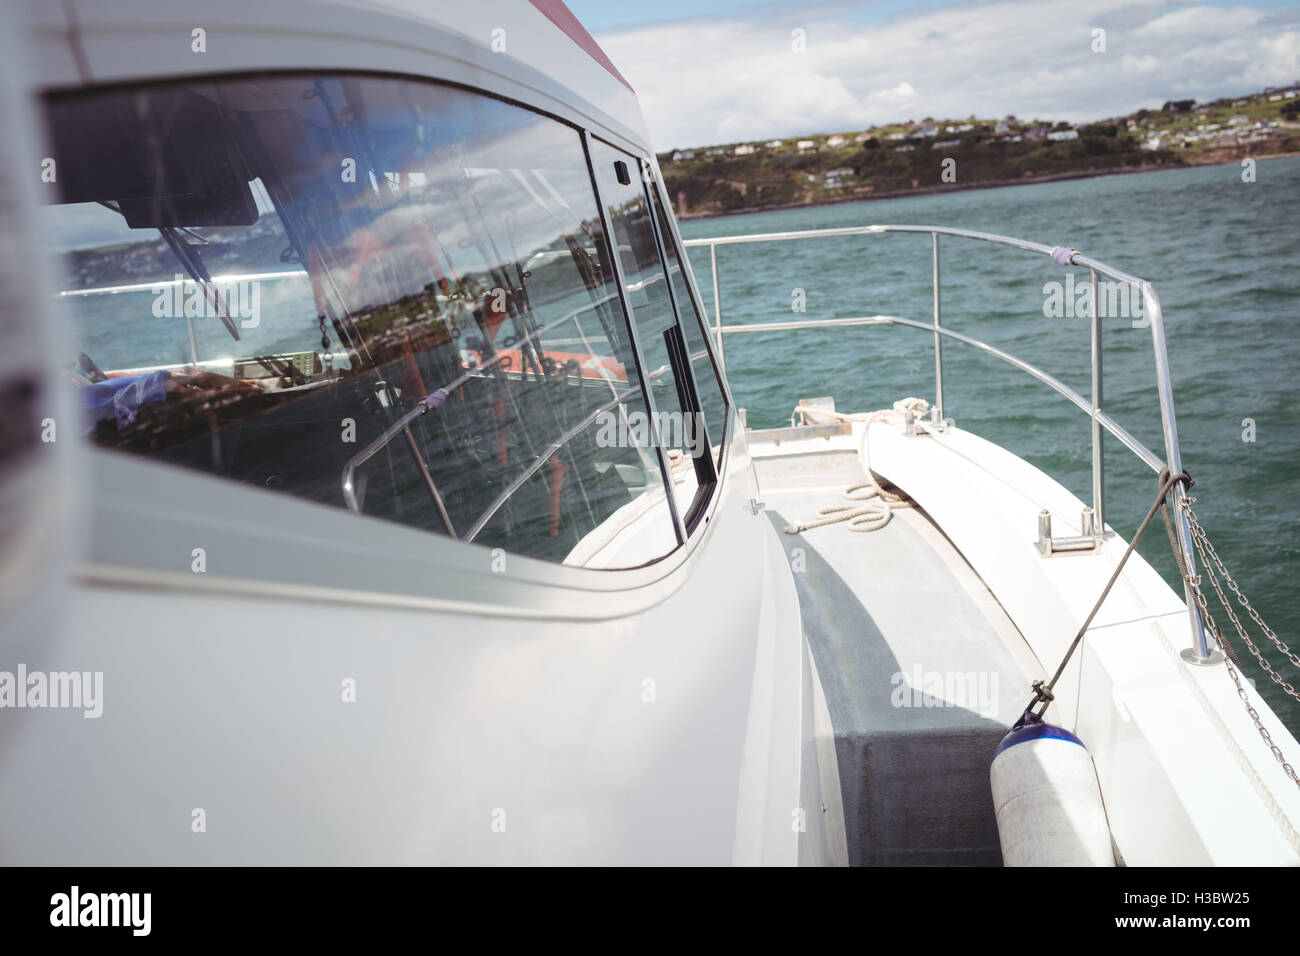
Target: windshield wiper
{"type": "Point", "coordinates": [189, 257]}
{"type": "Point", "coordinates": [193, 263]}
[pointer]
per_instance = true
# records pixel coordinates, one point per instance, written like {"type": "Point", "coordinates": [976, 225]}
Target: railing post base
{"type": "Point", "coordinates": [1190, 655]}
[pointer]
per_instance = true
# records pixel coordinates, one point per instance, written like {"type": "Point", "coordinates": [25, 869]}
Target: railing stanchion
{"type": "Point", "coordinates": [938, 341]}
{"type": "Point", "coordinates": [717, 306]}
{"type": "Point", "coordinates": [428, 480]}
{"type": "Point", "coordinates": [1200, 652]}
{"type": "Point", "coordinates": [1098, 474]}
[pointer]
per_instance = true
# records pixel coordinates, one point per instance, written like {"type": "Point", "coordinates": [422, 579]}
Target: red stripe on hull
{"type": "Point", "coordinates": [562, 17]}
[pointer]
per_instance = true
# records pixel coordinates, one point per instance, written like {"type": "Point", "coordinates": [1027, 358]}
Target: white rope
{"type": "Point", "coordinates": [823, 416]}
{"type": "Point", "coordinates": [860, 517]}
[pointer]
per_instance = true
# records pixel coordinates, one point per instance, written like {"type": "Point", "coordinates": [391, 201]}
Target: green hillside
{"type": "Point", "coordinates": [936, 155]}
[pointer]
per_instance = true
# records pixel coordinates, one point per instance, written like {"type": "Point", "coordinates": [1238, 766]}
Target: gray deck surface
{"type": "Point", "coordinates": [893, 602]}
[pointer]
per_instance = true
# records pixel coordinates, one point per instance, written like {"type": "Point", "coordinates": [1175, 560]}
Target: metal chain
{"type": "Point", "coordinates": [1198, 537]}
{"type": "Point", "coordinates": [1245, 636]}
{"type": "Point", "coordinates": [1202, 544]}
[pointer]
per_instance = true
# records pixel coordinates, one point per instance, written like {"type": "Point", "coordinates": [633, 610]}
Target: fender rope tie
{"type": "Point", "coordinates": [1043, 692]}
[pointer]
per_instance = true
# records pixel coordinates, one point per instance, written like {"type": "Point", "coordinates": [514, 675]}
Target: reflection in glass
{"type": "Point", "coordinates": [713, 403]}
{"type": "Point", "coordinates": [680, 426]}
{"type": "Point", "coordinates": [283, 280]}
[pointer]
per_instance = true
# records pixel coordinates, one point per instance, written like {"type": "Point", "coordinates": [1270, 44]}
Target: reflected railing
{"type": "Point", "coordinates": [435, 399]}
{"type": "Point", "coordinates": [1102, 422]}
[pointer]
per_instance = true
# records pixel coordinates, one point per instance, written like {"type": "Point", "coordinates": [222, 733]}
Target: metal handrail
{"type": "Point", "coordinates": [1104, 420]}
{"type": "Point", "coordinates": [1200, 651]}
{"type": "Point", "coordinates": [542, 458]}
{"type": "Point", "coordinates": [431, 402]}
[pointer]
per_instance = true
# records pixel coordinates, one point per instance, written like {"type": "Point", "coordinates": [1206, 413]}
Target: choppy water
{"type": "Point", "coordinates": [1224, 257]}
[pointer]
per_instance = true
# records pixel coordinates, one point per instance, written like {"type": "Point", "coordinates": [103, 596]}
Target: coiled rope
{"type": "Point", "coordinates": [860, 516]}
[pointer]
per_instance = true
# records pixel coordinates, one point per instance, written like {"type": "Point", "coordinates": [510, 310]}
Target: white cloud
{"type": "Point", "coordinates": [1212, 23]}
{"type": "Point", "coordinates": [710, 80]}
{"type": "Point", "coordinates": [902, 93]}
{"type": "Point", "coordinates": [1139, 64]}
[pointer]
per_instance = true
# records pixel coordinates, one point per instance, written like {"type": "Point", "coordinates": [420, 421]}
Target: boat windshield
{"type": "Point", "coordinates": [265, 276]}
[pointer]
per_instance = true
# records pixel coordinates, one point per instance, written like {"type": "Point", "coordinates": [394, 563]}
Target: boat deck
{"type": "Point", "coordinates": [922, 670]}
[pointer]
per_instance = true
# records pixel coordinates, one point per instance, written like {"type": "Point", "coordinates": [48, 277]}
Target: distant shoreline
{"type": "Point", "coordinates": [991, 184]}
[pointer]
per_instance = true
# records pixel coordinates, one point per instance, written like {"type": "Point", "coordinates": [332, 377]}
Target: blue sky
{"type": "Point", "coordinates": [604, 15]}
{"type": "Point", "coordinates": [596, 15]}
{"type": "Point", "coordinates": [716, 71]}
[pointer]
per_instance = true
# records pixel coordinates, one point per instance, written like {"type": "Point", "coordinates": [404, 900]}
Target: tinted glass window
{"type": "Point", "coordinates": [374, 293]}
{"type": "Point", "coordinates": [678, 421]}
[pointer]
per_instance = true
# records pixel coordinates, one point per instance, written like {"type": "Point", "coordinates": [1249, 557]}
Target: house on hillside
{"type": "Point", "coordinates": [745, 149]}
{"type": "Point", "coordinates": [775, 144]}
{"type": "Point", "coordinates": [682, 154]}
{"type": "Point", "coordinates": [1061, 135]}
{"type": "Point", "coordinates": [835, 177]}
{"type": "Point", "coordinates": [804, 145]}
{"type": "Point", "coordinates": [834, 141]}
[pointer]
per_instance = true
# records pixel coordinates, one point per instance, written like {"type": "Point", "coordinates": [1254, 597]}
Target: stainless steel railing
{"type": "Point", "coordinates": [1200, 651]}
